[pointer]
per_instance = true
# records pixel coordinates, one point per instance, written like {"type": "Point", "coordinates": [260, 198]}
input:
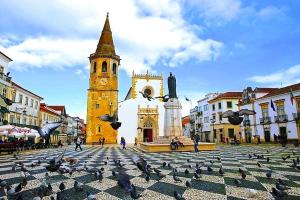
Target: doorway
{"type": "Point", "coordinates": [147, 135]}
{"type": "Point", "coordinates": [267, 135]}
{"type": "Point", "coordinates": [283, 134]}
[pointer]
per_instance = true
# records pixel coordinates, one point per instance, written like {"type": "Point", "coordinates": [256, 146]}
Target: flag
{"type": "Point", "coordinates": [272, 105]}
{"type": "Point", "coordinates": [187, 99]}
{"type": "Point", "coordinates": [292, 96]}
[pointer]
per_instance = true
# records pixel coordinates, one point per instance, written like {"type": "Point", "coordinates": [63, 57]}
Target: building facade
{"type": "Point", "coordinates": [103, 88]}
{"type": "Point", "coordinates": [220, 128]}
{"type": "Point", "coordinates": [276, 114]}
{"type": "Point", "coordinates": [5, 87]}
{"type": "Point", "coordinates": [25, 111]}
{"type": "Point", "coordinates": [63, 128]}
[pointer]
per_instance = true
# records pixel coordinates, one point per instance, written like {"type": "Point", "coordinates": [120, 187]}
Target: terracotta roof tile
{"type": "Point", "coordinates": [228, 95]}
{"type": "Point", "coordinates": [283, 90]}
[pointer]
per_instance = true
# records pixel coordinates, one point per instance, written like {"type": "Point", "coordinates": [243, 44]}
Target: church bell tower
{"type": "Point", "coordinates": [103, 88]}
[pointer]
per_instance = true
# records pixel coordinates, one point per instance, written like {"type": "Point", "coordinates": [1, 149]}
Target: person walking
{"type": "Point", "coordinates": [135, 141]}
{"type": "Point", "coordinates": [196, 142]}
{"type": "Point", "coordinates": [78, 143]}
{"type": "Point", "coordinates": [123, 142]}
{"type": "Point", "coordinates": [103, 141]}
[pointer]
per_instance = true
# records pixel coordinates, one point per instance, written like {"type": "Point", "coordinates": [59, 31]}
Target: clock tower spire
{"type": "Point", "coordinates": [103, 88]}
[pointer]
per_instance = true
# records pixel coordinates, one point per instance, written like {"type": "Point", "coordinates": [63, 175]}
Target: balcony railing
{"type": "Point", "coordinates": [246, 122]}
{"type": "Point", "coordinates": [265, 120]}
{"type": "Point", "coordinates": [296, 116]}
{"type": "Point", "coordinates": [281, 118]}
{"type": "Point", "coordinates": [24, 125]}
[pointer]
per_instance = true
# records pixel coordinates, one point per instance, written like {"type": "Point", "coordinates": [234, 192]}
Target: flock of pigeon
{"type": "Point", "coordinates": [69, 165]}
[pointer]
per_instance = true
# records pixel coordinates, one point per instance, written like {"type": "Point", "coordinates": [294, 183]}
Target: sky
{"type": "Point", "coordinates": [209, 45]}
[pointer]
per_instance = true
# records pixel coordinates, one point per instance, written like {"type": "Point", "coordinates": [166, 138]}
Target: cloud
{"type": "Point", "coordinates": [152, 31]}
{"type": "Point", "coordinates": [284, 77]}
{"type": "Point", "coordinates": [270, 11]}
{"type": "Point", "coordinates": [78, 71]}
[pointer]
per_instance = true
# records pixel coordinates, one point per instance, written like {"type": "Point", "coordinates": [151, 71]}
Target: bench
{"type": "Point", "coordinates": [8, 147]}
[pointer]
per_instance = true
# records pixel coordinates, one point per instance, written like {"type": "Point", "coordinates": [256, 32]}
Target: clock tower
{"type": "Point", "coordinates": [103, 88]}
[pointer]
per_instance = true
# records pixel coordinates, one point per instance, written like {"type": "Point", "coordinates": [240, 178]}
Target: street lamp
{"type": "Point", "coordinates": [212, 120]}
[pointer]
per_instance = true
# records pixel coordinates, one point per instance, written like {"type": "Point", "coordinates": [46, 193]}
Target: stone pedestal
{"type": "Point", "coordinates": [172, 124]}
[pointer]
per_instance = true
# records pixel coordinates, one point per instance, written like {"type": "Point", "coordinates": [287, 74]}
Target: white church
{"type": "Point", "coordinates": [141, 118]}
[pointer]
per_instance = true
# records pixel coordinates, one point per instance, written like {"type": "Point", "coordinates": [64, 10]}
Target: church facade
{"type": "Point", "coordinates": [142, 119]}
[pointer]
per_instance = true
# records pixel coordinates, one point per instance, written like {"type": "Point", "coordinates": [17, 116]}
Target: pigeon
{"type": "Point", "coordinates": [269, 174]}
{"type": "Point", "coordinates": [141, 164]}
{"type": "Point", "coordinates": [124, 181]}
{"type": "Point", "coordinates": [105, 162]}
{"type": "Point", "coordinates": [78, 186]}
{"type": "Point", "coordinates": [268, 159]}
{"type": "Point", "coordinates": [190, 166]}
{"type": "Point", "coordinates": [278, 193]}
{"type": "Point", "coordinates": [133, 192]}
{"type": "Point", "coordinates": [164, 164]}
{"type": "Point", "coordinates": [147, 178]}
{"type": "Point", "coordinates": [241, 171]}
{"type": "Point", "coordinates": [198, 171]}
{"type": "Point", "coordinates": [7, 100]}
{"type": "Point", "coordinates": [250, 156]}
{"type": "Point", "coordinates": [281, 181]}
{"type": "Point", "coordinates": [146, 96]}
{"type": "Point", "coordinates": [258, 164]}
{"type": "Point", "coordinates": [3, 183]}
{"type": "Point", "coordinates": [24, 182]}
{"type": "Point", "coordinates": [114, 123]}
{"type": "Point", "coordinates": [298, 160]}
{"type": "Point", "coordinates": [169, 165]}
{"type": "Point", "coordinates": [197, 176]}
{"type": "Point", "coordinates": [13, 191]}
{"type": "Point", "coordinates": [243, 175]}
{"type": "Point", "coordinates": [221, 171]}
{"type": "Point", "coordinates": [164, 98]}
{"type": "Point", "coordinates": [55, 163]}
{"type": "Point", "coordinates": [281, 187]}
{"type": "Point", "coordinates": [237, 182]}
{"type": "Point", "coordinates": [235, 117]}
{"type": "Point", "coordinates": [90, 196]}
{"type": "Point", "coordinates": [252, 193]}
{"type": "Point", "coordinates": [71, 161]}
{"type": "Point", "coordinates": [62, 186]}
{"type": "Point", "coordinates": [48, 129]}
{"type": "Point", "coordinates": [218, 158]}
{"type": "Point", "coordinates": [113, 173]}
{"type": "Point", "coordinates": [178, 196]}
{"type": "Point", "coordinates": [186, 171]}
{"type": "Point", "coordinates": [99, 175]}
{"type": "Point", "coordinates": [188, 184]}
{"type": "Point", "coordinates": [209, 169]}
{"type": "Point", "coordinates": [188, 160]}
{"type": "Point", "coordinates": [176, 179]}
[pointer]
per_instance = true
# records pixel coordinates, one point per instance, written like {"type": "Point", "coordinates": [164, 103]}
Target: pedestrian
{"type": "Point", "coordinates": [196, 142]}
{"type": "Point", "coordinates": [78, 144]}
{"type": "Point", "coordinates": [135, 141]}
{"type": "Point", "coordinates": [123, 142]}
{"type": "Point", "coordinates": [103, 141]}
{"type": "Point", "coordinates": [59, 144]}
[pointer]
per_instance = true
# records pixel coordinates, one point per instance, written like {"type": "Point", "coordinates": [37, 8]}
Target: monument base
{"type": "Point", "coordinates": [156, 147]}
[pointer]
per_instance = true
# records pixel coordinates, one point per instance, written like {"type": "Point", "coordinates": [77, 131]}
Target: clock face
{"type": "Point", "coordinates": [103, 81]}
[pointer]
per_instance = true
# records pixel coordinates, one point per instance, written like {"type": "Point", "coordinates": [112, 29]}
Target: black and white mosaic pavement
{"type": "Point", "coordinates": [209, 186]}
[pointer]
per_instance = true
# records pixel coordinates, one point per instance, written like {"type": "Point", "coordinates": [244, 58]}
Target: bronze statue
{"type": "Point", "coordinates": [172, 86]}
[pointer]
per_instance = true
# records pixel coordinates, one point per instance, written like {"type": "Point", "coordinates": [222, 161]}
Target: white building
{"type": "Point", "coordinates": [266, 123]}
{"type": "Point", "coordinates": [25, 111]}
{"type": "Point", "coordinates": [142, 119]}
{"type": "Point", "coordinates": [204, 114]}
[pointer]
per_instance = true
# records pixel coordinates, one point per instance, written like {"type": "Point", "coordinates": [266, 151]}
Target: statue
{"type": "Point", "coordinates": [172, 86]}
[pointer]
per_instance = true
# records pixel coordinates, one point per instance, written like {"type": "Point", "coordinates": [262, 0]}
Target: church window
{"type": "Point", "coordinates": [97, 106]}
{"type": "Point", "coordinates": [104, 66]}
{"type": "Point", "coordinates": [95, 67]}
{"type": "Point", "coordinates": [99, 129]}
{"type": "Point", "coordinates": [147, 91]}
{"type": "Point", "coordinates": [114, 68]}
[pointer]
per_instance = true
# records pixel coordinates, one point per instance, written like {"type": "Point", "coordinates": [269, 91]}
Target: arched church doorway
{"type": "Point", "coordinates": [148, 132]}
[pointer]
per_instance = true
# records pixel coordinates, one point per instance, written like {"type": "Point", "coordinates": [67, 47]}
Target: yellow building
{"type": "Point", "coordinates": [221, 129]}
{"type": "Point", "coordinates": [103, 88]}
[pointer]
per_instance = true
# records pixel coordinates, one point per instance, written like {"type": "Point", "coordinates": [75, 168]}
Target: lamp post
{"type": "Point", "coordinates": [212, 120]}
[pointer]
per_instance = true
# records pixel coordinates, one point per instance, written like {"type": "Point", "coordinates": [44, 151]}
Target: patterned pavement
{"type": "Point", "coordinates": [210, 186]}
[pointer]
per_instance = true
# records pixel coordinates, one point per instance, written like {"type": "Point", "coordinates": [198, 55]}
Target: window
{"type": "Point", "coordinates": [11, 119]}
{"type": "Point", "coordinates": [24, 120]}
{"type": "Point", "coordinates": [220, 105]}
{"type": "Point", "coordinates": [213, 107]}
{"type": "Point", "coordinates": [18, 120]}
{"type": "Point", "coordinates": [26, 101]}
{"type": "Point", "coordinates": [30, 121]}
{"type": "Point", "coordinates": [231, 132]}
{"type": "Point", "coordinates": [20, 98]}
{"type": "Point", "coordinates": [229, 104]}
{"type": "Point", "coordinates": [36, 105]}
{"type": "Point", "coordinates": [97, 106]}
{"type": "Point", "coordinates": [4, 92]}
{"type": "Point", "coordinates": [265, 112]}
{"type": "Point", "coordinates": [206, 107]}
{"type": "Point", "coordinates": [104, 66]}
{"type": "Point", "coordinates": [220, 116]}
{"type": "Point", "coordinates": [99, 129]}
{"type": "Point", "coordinates": [35, 122]}
{"type": "Point", "coordinates": [114, 69]}
{"type": "Point", "coordinates": [13, 96]}
{"type": "Point", "coordinates": [206, 119]}
{"type": "Point", "coordinates": [280, 110]}
{"type": "Point", "coordinates": [214, 117]}
{"type": "Point", "coordinates": [31, 103]}
{"type": "Point", "coordinates": [95, 67]}
{"type": "Point", "coordinates": [1, 69]}
{"type": "Point", "coordinates": [200, 108]}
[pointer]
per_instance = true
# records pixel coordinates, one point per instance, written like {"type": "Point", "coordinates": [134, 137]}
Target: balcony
{"type": "Point", "coordinates": [246, 122]}
{"type": "Point", "coordinates": [24, 125]}
{"type": "Point", "coordinates": [281, 118]}
{"type": "Point", "coordinates": [296, 116]}
{"type": "Point", "coordinates": [265, 120]}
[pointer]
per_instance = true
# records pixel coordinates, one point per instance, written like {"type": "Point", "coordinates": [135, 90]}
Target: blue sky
{"type": "Point", "coordinates": [210, 45]}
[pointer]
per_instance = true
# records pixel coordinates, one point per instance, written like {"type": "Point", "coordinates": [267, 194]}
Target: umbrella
{"type": "Point", "coordinates": [32, 133]}
{"type": "Point", "coordinates": [6, 127]}
{"type": "Point", "coordinates": [3, 133]}
{"type": "Point", "coordinates": [4, 110]}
